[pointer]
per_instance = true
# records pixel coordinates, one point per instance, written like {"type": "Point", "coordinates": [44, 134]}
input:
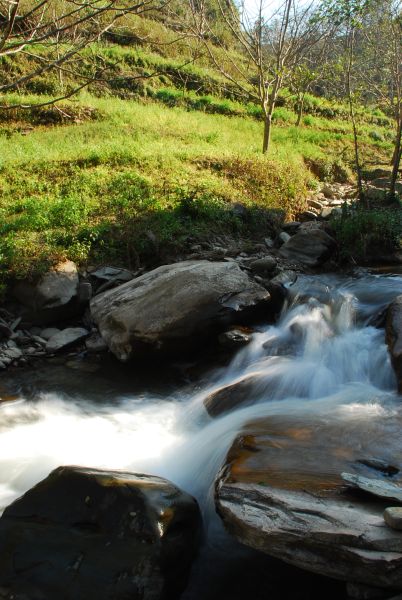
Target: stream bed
{"type": "Point", "coordinates": [326, 354]}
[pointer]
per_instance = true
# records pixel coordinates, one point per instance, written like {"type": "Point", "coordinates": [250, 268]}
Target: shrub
{"type": "Point", "coordinates": [365, 234]}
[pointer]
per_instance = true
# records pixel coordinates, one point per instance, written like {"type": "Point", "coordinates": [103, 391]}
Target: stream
{"type": "Point", "coordinates": [326, 353]}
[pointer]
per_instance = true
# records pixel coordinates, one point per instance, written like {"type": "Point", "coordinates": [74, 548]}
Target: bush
{"type": "Point", "coordinates": [365, 234]}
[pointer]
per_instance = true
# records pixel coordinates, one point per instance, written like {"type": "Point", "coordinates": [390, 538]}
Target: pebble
{"type": "Point", "coordinates": [393, 517]}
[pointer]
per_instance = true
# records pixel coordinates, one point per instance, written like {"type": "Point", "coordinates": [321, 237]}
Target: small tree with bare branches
{"type": "Point", "coordinates": [273, 44]}
{"type": "Point", "coordinates": [53, 33]}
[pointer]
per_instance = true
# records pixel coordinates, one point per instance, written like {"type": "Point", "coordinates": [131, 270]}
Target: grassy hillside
{"type": "Point", "coordinates": [134, 171]}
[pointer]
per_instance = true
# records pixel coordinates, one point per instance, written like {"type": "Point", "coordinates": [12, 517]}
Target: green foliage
{"type": "Point", "coordinates": [365, 235]}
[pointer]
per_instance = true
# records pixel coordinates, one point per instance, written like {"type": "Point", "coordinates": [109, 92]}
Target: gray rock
{"type": "Point", "coordinates": [279, 491]}
{"type": "Point", "coordinates": [330, 212]}
{"type": "Point", "coordinates": [269, 242]}
{"type": "Point", "coordinates": [284, 237]}
{"type": "Point", "coordinates": [308, 215]}
{"type": "Point", "coordinates": [54, 297]}
{"type": "Point", "coordinates": [49, 332]}
{"type": "Point", "coordinates": [263, 266]}
{"type": "Point", "coordinates": [95, 343]}
{"type": "Point", "coordinates": [85, 533]}
{"type": "Point", "coordinates": [394, 337]}
{"type": "Point", "coordinates": [12, 353]}
{"type": "Point", "coordinates": [311, 248]}
{"type": "Point", "coordinates": [66, 338]}
{"type": "Point", "coordinates": [376, 487]}
{"type": "Point", "coordinates": [393, 517]}
{"type": "Point", "coordinates": [174, 307]}
{"type": "Point", "coordinates": [315, 204]}
{"type": "Point", "coordinates": [85, 291]}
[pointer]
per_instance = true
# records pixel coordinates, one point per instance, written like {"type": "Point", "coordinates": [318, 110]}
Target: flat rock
{"type": "Point", "coordinates": [280, 491]}
{"type": "Point", "coordinates": [394, 337]}
{"type": "Point", "coordinates": [393, 517]}
{"type": "Point", "coordinates": [235, 338]}
{"type": "Point", "coordinates": [376, 487]}
{"type": "Point", "coordinates": [175, 307]}
{"type": "Point", "coordinates": [66, 338]}
{"type": "Point", "coordinates": [85, 533]}
{"type": "Point", "coordinates": [311, 248]}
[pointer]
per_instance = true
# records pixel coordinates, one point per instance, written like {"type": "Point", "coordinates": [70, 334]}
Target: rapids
{"type": "Point", "coordinates": [325, 355]}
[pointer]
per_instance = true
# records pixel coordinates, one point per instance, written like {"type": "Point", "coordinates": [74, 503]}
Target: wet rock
{"type": "Point", "coordinates": [393, 517]}
{"type": "Point", "coordinates": [235, 338]}
{"type": "Point", "coordinates": [379, 465]}
{"type": "Point", "coordinates": [66, 339]}
{"type": "Point", "coordinates": [54, 297]}
{"type": "Point", "coordinates": [241, 393]}
{"type": "Point", "coordinates": [85, 533]}
{"type": "Point", "coordinates": [394, 337]}
{"type": "Point", "coordinates": [175, 307]}
{"type": "Point", "coordinates": [312, 248]}
{"type": "Point", "coordinates": [376, 487]}
{"type": "Point", "coordinates": [280, 492]}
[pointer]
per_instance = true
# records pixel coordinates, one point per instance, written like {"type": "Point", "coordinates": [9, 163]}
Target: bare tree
{"type": "Point", "coordinates": [53, 33]}
{"type": "Point", "coordinates": [383, 45]}
{"type": "Point", "coordinates": [273, 44]}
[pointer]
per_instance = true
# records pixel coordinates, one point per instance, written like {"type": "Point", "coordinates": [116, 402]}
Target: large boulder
{"type": "Point", "coordinates": [281, 491]}
{"type": "Point", "coordinates": [311, 248]}
{"type": "Point", "coordinates": [394, 337]}
{"type": "Point", "coordinates": [56, 296]}
{"type": "Point", "coordinates": [175, 307]}
{"type": "Point", "coordinates": [84, 533]}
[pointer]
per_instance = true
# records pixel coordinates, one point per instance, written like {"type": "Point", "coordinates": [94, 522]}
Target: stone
{"type": "Point", "coordinates": [85, 291]}
{"type": "Point", "coordinates": [284, 237]}
{"type": "Point", "coordinates": [12, 353]}
{"type": "Point", "coordinates": [394, 337]}
{"type": "Point", "coordinates": [235, 338]}
{"type": "Point", "coordinates": [54, 297]}
{"type": "Point", "coordinates": [49, 332]}
{"type": "Point", "coordinates": [393, 517]}
{"type": "Point", "coordinates": [376, 487]}
{"type": "Point", "coordinates": [66, 339]}
{"type": "Point", "coordinates": [311, 248]}
{"type": "Point", "coordinates": [86, 533]}
{"type": "Point", "coordinates": [95, 343]}
{"type": "Point", "coordinates": [330, 212]}
{"type": "Point", "coordinates": [280, 492]}
{"type": "Point", "coordinates": [291, 227]}
{"type": "Point", "coordinates": [308, 215]}
{"type": "Point", "coordinates": [229, 397]}
{"type": "Point", "coordinates": [175, 307]}
{"type": "Point", "coordinates": [269, 242]}
{"type": "Point", "coordinates": [315, 204]}
{"type": "Point", "coordinates": [263, 266]}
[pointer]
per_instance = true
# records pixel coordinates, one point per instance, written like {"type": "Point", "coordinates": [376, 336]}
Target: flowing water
{"type": "Point", "coordinates": [325, 355]}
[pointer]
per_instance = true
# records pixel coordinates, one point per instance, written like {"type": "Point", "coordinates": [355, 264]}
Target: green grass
{"type": "Point", "coordinates": [141, 181]}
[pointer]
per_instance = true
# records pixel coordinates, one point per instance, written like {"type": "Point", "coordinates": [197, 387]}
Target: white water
{"type": "Point", "coordinates": [320, 358]}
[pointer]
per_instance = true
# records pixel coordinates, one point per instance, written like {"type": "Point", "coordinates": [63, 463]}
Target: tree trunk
{"type": "Point", "coordinates": [267, 133]}
{"type": "Point", "coordinates": [300, 110]}
{"type": "Point", "coordinates": [396, 161]}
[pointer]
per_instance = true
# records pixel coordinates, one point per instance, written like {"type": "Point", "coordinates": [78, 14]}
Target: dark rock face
{"type": "Point", "coordinates": [281, 491]}
{"type": "Point", "coordinates": [242, 393]}
{"type": "Point", "coordinates": [175, 307]}
{"type": "Point", "coordinates": [84, 533]}
{"type": "Point", "coordinates": [394, 337]}
{"type": "Point", "coordinates": [311, 248]}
